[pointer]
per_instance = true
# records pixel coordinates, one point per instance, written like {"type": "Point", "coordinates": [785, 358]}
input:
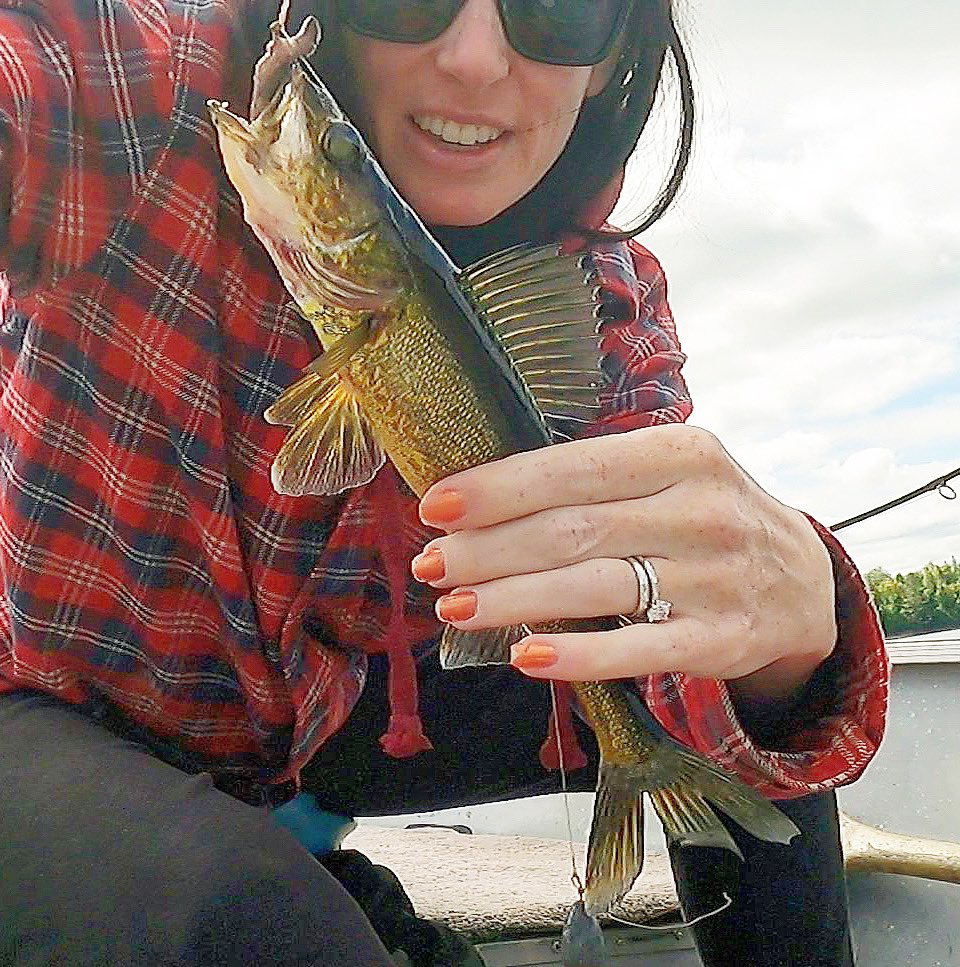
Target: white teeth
{"type": "Point", "coordinates": [454, 133]}
{"type": "Point", "coordinates": [451, 132]}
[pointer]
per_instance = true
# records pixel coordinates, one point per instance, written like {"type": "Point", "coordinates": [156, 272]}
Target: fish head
{"type": "Point", "coordinates": [302, 171]}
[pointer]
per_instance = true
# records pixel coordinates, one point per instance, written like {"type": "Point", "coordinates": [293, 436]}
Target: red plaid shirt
{"type": "Point", "coordinates": [147, 563]}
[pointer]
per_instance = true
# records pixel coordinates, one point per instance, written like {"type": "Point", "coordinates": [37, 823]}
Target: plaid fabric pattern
{"type": "Point", "coordinates": [147, 564]}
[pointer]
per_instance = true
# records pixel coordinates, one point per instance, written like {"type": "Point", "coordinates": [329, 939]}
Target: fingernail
{"type": "Point", "coordinates": [429, 566]}
{"type": "Point", "coordinates": [442, 507]}
{"type": "Point", "coordinates": [533, 656]}
{"type": "Point", "coordinates": [457, 607]}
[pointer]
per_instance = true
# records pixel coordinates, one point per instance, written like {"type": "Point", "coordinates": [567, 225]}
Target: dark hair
{"type": "Point", "coordinates": [604, 137]}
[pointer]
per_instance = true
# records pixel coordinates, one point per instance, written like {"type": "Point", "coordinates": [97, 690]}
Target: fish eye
{"type": "Point", "coordinates": [341, 145]}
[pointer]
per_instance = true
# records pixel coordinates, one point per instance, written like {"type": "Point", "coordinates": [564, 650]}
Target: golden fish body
{"type": "Point", "coordinates": [442, 370]}
{"type": "Point", "coordinates": [427, 418]}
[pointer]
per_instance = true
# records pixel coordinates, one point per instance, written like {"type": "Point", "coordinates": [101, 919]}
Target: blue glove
{"type": "Point", "coordinates": [318, 830]}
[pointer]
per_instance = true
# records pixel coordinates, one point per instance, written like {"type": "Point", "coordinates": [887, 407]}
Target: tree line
{"type": "Point", "coordinates": [919, 601]}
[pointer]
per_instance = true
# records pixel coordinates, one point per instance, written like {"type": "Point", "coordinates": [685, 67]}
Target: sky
{"type": "Point", "coordinates": [813, 259]}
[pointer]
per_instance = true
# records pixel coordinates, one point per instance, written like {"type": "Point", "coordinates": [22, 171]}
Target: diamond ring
{"type": "Point", "coordinates": [650, 606]}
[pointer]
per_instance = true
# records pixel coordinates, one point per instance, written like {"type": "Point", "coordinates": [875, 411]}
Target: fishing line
{"type": "Point", "coordinates": [683, 925]}
{"type": "Point", "coordinates": [550, 120]}
{"type": "Point", "coordinates": [575, 878]}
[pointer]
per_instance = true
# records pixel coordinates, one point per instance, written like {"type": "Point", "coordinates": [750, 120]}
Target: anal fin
{"type": "Point", "coordinates": [464, 649]}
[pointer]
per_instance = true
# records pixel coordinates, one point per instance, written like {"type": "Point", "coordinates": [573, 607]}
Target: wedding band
{"type": "Point", "coordinates": [650, 606]}
{"type": "Point", "coordinates": [644, 590]}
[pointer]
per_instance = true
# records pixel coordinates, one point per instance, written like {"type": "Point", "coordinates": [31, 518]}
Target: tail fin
{"type": "Point", "coordinates": [688, 785]}
{"type": "Point", "coordinates": [615, 848]}
{"type": "Point", "coordinates": [743, 804]}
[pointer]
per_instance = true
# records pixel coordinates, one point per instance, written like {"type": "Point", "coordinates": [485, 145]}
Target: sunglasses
{"type": "Point", "coordinates": [573, 33]}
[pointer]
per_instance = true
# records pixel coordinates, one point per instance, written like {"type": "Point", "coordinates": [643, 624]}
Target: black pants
{"type": "Point", "coordinates": [109, 856]}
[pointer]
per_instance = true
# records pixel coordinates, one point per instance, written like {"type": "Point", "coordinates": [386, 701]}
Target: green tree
{"type": "Point", "coordinates": [918, 601]}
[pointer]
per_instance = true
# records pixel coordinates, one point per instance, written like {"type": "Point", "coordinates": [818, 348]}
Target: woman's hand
{"type": "Point", "coordinates": [542, 535]}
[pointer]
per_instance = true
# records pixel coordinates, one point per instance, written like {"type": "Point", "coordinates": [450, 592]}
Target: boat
{"type": "Point", "coordinates": [501, 872]}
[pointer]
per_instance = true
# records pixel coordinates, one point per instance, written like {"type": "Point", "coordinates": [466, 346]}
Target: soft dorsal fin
{"type": "Point", "coordinates": [545, 311]}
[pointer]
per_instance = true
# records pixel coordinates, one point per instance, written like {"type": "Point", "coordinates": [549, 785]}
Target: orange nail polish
{"type": "Point", "coordinates": [442, 507]}
{"type": "Point", "coordinates": [457, 607]}
{"type": "Point", "coordinates": [533, 656]}
{"type": "Point", "coordinates": [429, 566]}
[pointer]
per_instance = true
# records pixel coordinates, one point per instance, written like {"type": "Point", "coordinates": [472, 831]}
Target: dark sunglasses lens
{"type": "Point", "coordinates": [563, 31]}
{"type": "Point", "coordinates": [405, 21]}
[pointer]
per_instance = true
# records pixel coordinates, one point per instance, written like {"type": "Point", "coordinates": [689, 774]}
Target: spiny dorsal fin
{"type": "Point", "coordinates": [331, 448]}
{"type": "Point", "coordinates": [545, 311]}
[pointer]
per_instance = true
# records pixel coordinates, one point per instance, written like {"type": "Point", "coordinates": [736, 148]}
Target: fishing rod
{"type": "Point", "coordinates": [940, 484]}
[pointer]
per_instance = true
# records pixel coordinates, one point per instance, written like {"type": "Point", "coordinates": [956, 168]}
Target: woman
{"type": "Point", "coordinates": [173, 629]}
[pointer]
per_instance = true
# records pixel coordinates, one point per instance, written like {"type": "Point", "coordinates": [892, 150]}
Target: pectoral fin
{"type": "Point", "coordinates": [331, 447]}
{"type": "Point", "coordinates": [343, 350]}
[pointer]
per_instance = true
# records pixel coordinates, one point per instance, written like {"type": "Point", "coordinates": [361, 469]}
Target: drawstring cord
{"type": "Point", "coordinates": [404, 736]}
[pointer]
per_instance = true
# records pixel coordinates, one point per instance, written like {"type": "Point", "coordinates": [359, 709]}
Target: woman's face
{"type": "Point", "coordinates": [464, 125]}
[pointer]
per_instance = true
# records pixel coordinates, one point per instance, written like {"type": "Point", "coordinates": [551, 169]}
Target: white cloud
{"type": "Point", "coordinates": [814, 257]}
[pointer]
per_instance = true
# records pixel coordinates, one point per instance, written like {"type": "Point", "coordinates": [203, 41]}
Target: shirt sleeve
{"type": "Point", "coordinates": [16, 59]}
{"type": "Point", "coordinates": [37, 92]}
{"type": "Point", "coordinates": [836, 727]}
{"type": "Point", "coordinates": [641, 355]}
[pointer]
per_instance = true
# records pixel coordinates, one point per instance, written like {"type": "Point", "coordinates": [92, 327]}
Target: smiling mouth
{"type": "Point", "coordinates": [451, 132]}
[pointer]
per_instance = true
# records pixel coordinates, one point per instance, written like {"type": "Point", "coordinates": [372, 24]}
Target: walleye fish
{"type": "Point", "coordinates": [442, 369]}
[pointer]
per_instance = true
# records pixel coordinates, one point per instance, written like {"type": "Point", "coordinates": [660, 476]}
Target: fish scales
{"type": "Point", "coordinates": [430, 421]}
{"type": "Point", "coordinates": [620, 738]}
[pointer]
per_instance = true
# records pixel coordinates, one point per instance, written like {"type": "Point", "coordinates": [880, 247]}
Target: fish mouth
{"type": "Point", "coordinates": [228, 123]}
{"type": "Point", "coordinates": [315, 257]}
{"type": "Point", "coordinates": [307, 85]}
